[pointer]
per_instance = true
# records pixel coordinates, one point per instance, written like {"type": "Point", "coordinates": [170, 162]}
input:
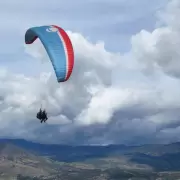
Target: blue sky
{"type": "Point", "coordinates": [111, 22]}
{"type": "Point", "coordinates": [124, 86]}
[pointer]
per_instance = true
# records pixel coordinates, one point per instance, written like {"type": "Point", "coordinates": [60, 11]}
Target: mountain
{"type": "Point", "coordinates": [29, 159]}
{"type": "Point", "coordinates": [157, 156]}
{"type": "Point", "coordinates": [152, 149]}
{"type": "Point", "coordinates": [16, 162]}
{"type": "Point", "coordinates": [67, 153]}
{"type": "Point", "coordinates": [21, 164]}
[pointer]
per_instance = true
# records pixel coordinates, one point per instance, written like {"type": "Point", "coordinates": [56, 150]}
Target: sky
{"type": "Point", "coordinates": [125, 84]}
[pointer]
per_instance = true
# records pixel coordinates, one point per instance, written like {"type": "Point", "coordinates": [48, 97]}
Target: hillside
{"type": "Point", "coordinates": [158, 157]}
{"type": "Point", "coordinates": [64, 162]}
{"type": "Point", "coordinates": [15, 160]}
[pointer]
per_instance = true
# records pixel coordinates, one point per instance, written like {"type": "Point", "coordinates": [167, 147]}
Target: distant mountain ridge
{"type": "Point", "coordinates": [151, 149]}
{"type": "Point", "coordinates": [66, 153]}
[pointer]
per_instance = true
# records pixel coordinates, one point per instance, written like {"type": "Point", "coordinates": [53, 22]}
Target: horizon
{"type": "Point", "coordinates": [91, 145]}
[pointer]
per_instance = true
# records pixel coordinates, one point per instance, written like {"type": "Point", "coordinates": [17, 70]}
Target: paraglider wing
{"type": "Point", "coordinates": [58, 46]}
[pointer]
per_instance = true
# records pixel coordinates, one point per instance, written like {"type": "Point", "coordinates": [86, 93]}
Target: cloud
{"type": "Point", "coordinates": [159, 49]}
{"type": "Point", "coordinates": [109, 97]}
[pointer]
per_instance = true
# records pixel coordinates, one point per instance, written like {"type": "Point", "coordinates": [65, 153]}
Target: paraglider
{"type": "Point", "coordinates": [59, 49]}
{"type": "Point", "coordinates": [42, 115]}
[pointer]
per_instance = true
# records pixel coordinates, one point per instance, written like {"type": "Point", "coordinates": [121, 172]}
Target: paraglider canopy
{"type": "Point", "coordinates": [58, 46]}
